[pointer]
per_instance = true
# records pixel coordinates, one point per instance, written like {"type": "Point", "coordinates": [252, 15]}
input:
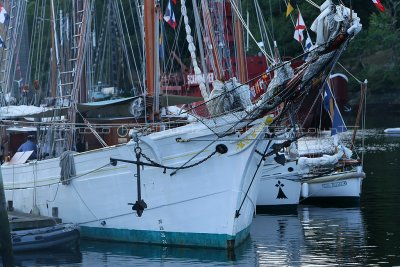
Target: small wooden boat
{"type": "Point", "coordinates": [51, 237]}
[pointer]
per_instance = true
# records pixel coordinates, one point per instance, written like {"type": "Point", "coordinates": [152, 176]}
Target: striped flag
{"type": "Point", "coordinates": [169, 15]}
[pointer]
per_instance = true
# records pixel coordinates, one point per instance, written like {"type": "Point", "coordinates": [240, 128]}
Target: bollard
{"type": "Point", "coordinates": [10, 205]}
{"type": "Point", "coordinates": [54, 212]}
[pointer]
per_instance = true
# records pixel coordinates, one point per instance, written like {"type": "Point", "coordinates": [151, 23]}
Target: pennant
{"type": "Point", "coordinates": [300, 27]}
{"type": "Point", "coordinates": [291, 5]}
{"type": "Point", "coordinates": [169, 15]}
{"type": "Point", "coordinates": [4, 18]}
{"type": "Point", "coordinates": [379, 5]}
{"type": "Point", "coordinates": [161, 44]}
{"type": "Point", "coordinates": [331, 107]}
{"type": "Point", "coordinates": [2, 44]}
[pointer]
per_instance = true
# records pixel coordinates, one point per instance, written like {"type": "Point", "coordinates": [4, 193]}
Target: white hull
{"type": "Point", "coordinates": [392, 131]}
{"type": "Point", "coordinates": [348, 184]}
{"type": "Point", "coordinates": [196, 206]}
{"type": "Point", "coordinates": [279, 185]}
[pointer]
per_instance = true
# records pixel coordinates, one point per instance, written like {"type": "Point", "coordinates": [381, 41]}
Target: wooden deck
{"type": "Point", "coordinates": [20, 221]}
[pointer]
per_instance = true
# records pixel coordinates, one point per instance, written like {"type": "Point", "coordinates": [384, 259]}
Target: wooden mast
{"type": "Point", "coordinates": [241, 67]}
{"type": "Point", "coordinates": [149, 31]}
{"type": "Point", "coordinates": [209, 29]}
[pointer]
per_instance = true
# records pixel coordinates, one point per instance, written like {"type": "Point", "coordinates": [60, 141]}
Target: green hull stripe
{"type": "Point", "coordinates": [165, 238]}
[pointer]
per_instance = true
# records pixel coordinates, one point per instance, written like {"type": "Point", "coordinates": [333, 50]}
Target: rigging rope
{"type": "Point", "coordinates": [235, 8]}
{"type": "Point", "coordinates": [192, 49]}
{"type": "Point", "coordinates": [131, 48]}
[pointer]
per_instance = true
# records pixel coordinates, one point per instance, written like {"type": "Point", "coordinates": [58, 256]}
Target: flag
{"type": "Point", "coordinates": [331, 107]}
{"type": "Point", "coordinates": [169, 15]}
{"type": "Point", "coordinates": [174, 1]}
{"type": "Point", "coordinates": [300, 27]}
{"type": "Point", "coordinates": [4, 18]}
{"type": "Point", "coordinates": [307, 46]}
{"type": "Point", "coordinates": [291, 5]}
{"type": "Point", "coordinates": [379, 5]}
{"type": "Point", "coordinates": [2, 44]}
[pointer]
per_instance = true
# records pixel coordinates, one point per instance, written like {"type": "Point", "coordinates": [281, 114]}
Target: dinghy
{"type": "Point", "coordinates": [59, 236]}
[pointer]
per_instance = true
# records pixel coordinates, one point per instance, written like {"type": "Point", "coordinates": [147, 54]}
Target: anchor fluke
{"type": "Point", "coordinates": [139, 206]}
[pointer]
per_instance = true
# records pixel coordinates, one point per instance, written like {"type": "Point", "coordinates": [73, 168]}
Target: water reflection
{"type": "Point", "coordinates": [277, 239]}
{"type": "Point", "coordinates": [46, 258]}
{"type": "Point", "coordinates": [97, 253]}
{"type": "Point", "coordinates": [316, 236]}
{"type": "Point", "coordinates": [333, 236]}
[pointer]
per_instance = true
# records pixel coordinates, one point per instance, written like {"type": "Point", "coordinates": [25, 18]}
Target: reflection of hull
{"type": "Point", "coordinates": [179, 207]}
{"type": "Point", "coordinates": [338, 185]}
{"type": "Point", "coordinates": [336, 235]}
{"type": "Point", "coordinates": [46, 258]}
{"type": "Point", "coordinates": [277, 239]}
{"type": "Point", "coordinates": [279, 185]}
{"type": "Point", "coordinates": [155, 255]}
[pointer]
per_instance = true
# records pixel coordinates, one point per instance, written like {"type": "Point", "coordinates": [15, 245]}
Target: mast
{"type": "Point", "coordinates": [54, 54]}
{"type": "Point", "coordinates": [240, 53]}
{"type": "Point", "coordinates": [149, 38]}
{"type": "Point", "coordinates": [209, 30]}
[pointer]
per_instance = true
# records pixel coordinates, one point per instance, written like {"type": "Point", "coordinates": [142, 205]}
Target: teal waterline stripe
{"type": "Point", "coordinates": [164, 238]}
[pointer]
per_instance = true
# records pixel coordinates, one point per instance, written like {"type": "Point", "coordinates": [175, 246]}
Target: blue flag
{"type": "Point", "coordinates": [308, 46]}
{"type": "Point", "coordinates": [2, 44]}
{"type": "Point", "coordinates": [331, 107]}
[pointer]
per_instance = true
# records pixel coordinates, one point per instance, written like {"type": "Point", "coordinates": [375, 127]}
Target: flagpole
{"type": "Point", "coordinates": [360, 108]}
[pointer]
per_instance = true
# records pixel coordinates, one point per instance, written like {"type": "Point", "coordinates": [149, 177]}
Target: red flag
{"type": "Point", "coordinates": [379, 5]}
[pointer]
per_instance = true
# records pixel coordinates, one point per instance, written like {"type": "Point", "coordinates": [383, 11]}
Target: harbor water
{"type": "Point", "coordinates": [358, 234]}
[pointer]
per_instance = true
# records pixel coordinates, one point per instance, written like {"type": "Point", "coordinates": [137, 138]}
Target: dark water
{"type": "Point", "coordinates": [367, 234]}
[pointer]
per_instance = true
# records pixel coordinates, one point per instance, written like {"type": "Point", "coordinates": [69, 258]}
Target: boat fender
{"type": "Point", "coordinates": [304, 190]}
{"type": "Point", "coordinates": [221, 148]}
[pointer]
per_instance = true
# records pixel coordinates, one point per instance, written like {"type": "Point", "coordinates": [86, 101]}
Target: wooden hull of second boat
{"type": "Point", "coordinates": [341, 185]}
{"type": "Point", "coordinates": [194, 207]}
